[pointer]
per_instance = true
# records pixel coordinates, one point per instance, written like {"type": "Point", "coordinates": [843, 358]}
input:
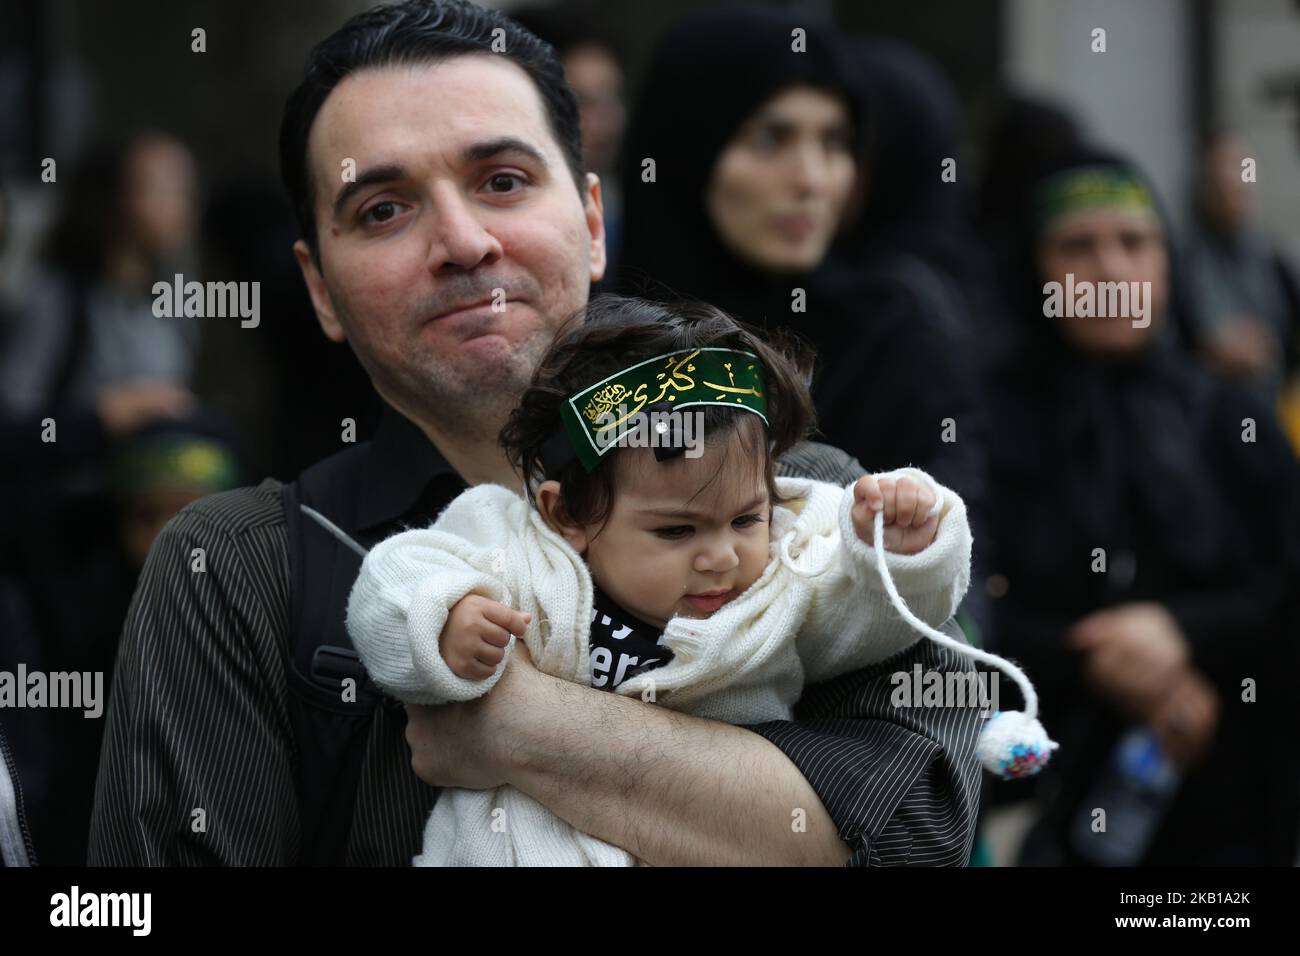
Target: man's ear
{"type": "Point", "coordinates": [320, 296]}
{"type": "Point", "coordinates": [594, 208]}
{"type": "Point", "coordinates": [551, 508]}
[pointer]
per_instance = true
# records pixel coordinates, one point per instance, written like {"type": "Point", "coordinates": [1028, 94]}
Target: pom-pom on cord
{"type": "Point", "coordinates": [1012, 744]}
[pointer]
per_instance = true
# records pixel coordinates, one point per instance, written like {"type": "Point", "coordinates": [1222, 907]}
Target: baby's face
{"type": "Point", "coordinates": [684, 536]}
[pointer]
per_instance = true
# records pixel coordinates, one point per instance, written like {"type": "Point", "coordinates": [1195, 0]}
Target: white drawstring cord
{"type": "Point", "coordinates": [882, 567]}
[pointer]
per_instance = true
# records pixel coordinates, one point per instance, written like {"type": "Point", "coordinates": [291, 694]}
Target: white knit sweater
{"type": "Point", "coordinates": [818, 610]}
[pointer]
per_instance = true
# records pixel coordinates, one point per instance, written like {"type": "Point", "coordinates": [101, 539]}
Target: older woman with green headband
{"type": "Point", "coordinates": [1146, 537]}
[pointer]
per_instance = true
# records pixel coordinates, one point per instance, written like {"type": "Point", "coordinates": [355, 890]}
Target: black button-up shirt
{"type": "Point", "coordinates": [199, 751]}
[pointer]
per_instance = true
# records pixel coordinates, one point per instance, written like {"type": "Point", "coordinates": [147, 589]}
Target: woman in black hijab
{"type": "Point", "coordinates": [1146, 543]}
{"type": "Point", "coordinates": [754, 126]}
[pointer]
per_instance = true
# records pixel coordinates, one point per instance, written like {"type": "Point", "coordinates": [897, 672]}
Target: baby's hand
{"type": "Point", "coordinates": [906, 504]}
{"type": "Point", "coordinates": [474, 639]}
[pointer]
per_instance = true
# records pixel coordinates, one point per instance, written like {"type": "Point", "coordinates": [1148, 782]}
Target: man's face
{"type": "Point", "coordinates": [452, 238]}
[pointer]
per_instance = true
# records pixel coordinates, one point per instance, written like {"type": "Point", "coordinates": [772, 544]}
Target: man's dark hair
{"type": "Point", "coordinates": [411, 33]}
{"type": "Point", "coordinates": [613, 332]}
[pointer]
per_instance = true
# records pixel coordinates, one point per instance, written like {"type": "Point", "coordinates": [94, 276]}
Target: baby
{"type": "Point", "coordinates": [653, 554]}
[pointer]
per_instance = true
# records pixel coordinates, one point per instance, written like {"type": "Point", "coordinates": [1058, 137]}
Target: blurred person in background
{"type": "Point", "coordinates": [593, 67]}
{"type": "Point", "coordinates": [82, 348]}
{"type": "Point", "coordinates": [1146, 536]}
{"type": "Point", "coordinates": [63, 597]}
{"type": "Point", "coordinates": [757, 153]}
{"type": "Point", "coordinates": [161, 469]}
{"type": "Point", "coordinates": [1246, 320]}
{"type": "Point", "coordinates": [914, 221]}
{"type": "Point", "coordinates": [87, 322]}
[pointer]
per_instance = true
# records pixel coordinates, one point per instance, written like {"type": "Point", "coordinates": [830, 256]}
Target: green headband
{"type": "Point", "coordinates": [599, 417]}
{"type": "Point", "coordinates": [174, 461]}
{"type": "Point", "coordinates": [1090, 187]}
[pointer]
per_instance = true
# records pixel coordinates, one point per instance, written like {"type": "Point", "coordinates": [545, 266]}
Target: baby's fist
{"type": "Point", "coordinates": [909, 526]}
{"type": "Point", "coordinates": [474, 639]}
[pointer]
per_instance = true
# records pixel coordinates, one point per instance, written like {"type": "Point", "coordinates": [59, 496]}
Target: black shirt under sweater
{"type": "Point", "coordinates": [621, 645]}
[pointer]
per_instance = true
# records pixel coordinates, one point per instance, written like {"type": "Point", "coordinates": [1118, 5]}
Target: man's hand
{"type": "Point", "coordinates": [468, 745]}
{"type": "Point", "coordinates": [908, 527]}
{"type": "Point", "coordinates": [474, 639]}
{"type": "Point", "coordinates": [1135, 653]}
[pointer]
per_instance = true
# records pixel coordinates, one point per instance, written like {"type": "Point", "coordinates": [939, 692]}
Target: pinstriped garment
{"type": "Point", "coordinates": [198, 721]}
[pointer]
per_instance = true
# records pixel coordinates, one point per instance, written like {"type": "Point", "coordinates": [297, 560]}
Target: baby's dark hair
{"type": "Point", "coordinates": [614, 332]}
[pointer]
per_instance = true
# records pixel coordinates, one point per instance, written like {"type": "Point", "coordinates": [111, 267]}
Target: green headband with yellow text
{"type": "Point", "coordinates": [599, 417]}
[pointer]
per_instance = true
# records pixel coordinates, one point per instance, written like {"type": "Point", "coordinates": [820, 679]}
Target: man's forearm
{"type": "Point", "coordinates": [671, 789]}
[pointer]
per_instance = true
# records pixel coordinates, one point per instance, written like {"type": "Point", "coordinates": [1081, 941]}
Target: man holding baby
{"type": "Point", "coordinates": [466, 235]}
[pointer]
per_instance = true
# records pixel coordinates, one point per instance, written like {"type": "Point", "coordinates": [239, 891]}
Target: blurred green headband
{"type": "Point", "coordinates": [599, 417]}
{"type": "Point", "coordinates": [1090, 187]}
{"type": "Point", "coordinates": [174, 461]}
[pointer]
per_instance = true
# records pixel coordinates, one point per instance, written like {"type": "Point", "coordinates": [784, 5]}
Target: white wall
{"type": "Point", "coordinates": [1135, 98]}
{"type": "Point", "coordinates": [1258, 41]}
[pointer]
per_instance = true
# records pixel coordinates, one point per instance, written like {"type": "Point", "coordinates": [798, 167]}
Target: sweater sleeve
{"type": "Point", "coordinates": [851, 621]}
{"type": "Point", "coordinates": [409, 583]}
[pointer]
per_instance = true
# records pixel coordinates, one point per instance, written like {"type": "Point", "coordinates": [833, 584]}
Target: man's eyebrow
{"type": "Point", "coordinates": [474, 153]}
{"type": "Point", "coordinates": [487, 149]}
{"type": "Point", "coordinates": [375, 174]}
{"type": "Point", "coordinates": [678, 513]}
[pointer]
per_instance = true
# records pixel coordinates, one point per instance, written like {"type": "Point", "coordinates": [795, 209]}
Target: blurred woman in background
{"type": "Point", "coordinates": [740, 159]}
{"type": "Point", "coordinates": [1146, 532]}
{"type": "Point", "coordinates": [87, 321]}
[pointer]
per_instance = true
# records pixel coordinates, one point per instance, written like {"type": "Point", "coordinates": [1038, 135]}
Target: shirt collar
{"type": "Point", "coordinates": [400, 466]}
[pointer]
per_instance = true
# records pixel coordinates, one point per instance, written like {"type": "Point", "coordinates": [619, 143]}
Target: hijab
{"type": "Point", "coordinates": [711, 73]}
{"type": "Point", "coordinates": [916, 123]}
